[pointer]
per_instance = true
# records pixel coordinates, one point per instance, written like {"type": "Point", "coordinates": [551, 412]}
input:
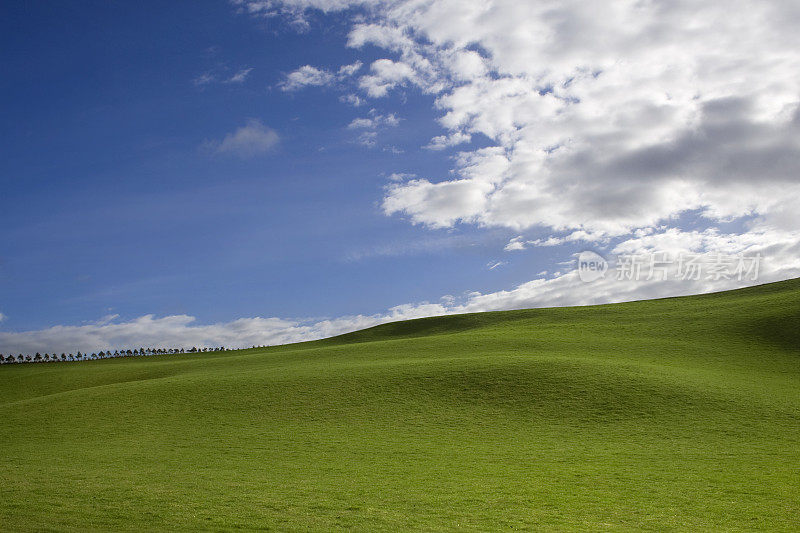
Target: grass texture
{"type": "Point", "coordinates": [674, 414]}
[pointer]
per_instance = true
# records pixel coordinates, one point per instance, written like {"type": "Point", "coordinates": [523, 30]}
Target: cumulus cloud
{"type": "Point", "coordinates": [610, 116]}
{"type": "Point", "coordinates": [250, 140]}
{"type": "Point", "coordinates": [306, 76]}
{"type": "Point", "coordinates": [369, 126]}
{"type": "Point", "coordinates": [386, 74]}
{"type": "Point", "coordinates": [309, 76]}
{"type": "Point", "coordinates": [374, 121]}
{"type": "Point", "coordinates": [440, 142]}
{"type": "Point", "coordinates": [345, 71]}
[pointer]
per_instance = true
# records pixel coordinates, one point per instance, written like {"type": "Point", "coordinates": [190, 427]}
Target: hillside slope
{"type": "Point", "coordinates": [678, 413]}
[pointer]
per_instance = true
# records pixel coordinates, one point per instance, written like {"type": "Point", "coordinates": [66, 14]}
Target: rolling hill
{"type": "Point", "coordinates": [679, 413]}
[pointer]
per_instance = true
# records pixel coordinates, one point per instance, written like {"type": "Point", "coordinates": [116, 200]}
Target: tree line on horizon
{"type": "Point", "coordinates": [103, 354]}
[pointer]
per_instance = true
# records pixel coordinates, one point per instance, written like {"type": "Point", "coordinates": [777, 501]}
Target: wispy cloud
{"type": "Point", "coordinates": [310, 76]}
{"type": "Point", "coordinates": [252, 139]}
{"type": "Point", "coordinates": [204, 79]}
{"type": "Point", "coordinates": [306, 76]}
{"type": "Point", "coordinates": [222, 75]}
{"type": "Point", "coordinates": [370, 125]}
{"type": "Point", "coordinates": [240, 76]}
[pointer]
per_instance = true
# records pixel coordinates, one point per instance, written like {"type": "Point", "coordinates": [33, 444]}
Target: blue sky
{"type": "Point", "coordinates": [112, 205]}
{"type": "Point", "coordinates": [159, 160]}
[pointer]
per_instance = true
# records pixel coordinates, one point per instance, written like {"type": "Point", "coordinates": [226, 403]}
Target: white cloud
{"type": "Point", "coordinates": [2, 317]}
{"type": "Point", "coordinates": [240, 76]}
{"type": "Point", "coordinates": [386, 75]}
{"type": "Point", "coordinates": [345, 71]}
{"type": "Point", "coordinates": [440, 142]}
{"type": "Point", "coordinates": [390, 38]}
{"type": "Point", "coordinates": [369, 126]}
{"type": "Point", "coordinates": [250, 140]}
{"type": "Point", "coordinates": [352, 99]}
{"type": "Point", "coordinates": [374, 121]}
{"type": "Point", "coordinates": [615, 116]}
{"type": "Point", "coordinates": [611, 116]}
{"type": "Point", "coordinates": [204, 79]}
{"type": "Point", "coordinates": [293, 11]}
{"type": "Point", "coordinates": [519, 242]}
{"type": "Point", "coordinates": [209, 77]}
{"type": "Point", "coordinates": [306, 76]}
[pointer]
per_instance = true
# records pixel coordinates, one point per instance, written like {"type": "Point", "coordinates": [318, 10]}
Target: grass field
{"type": "Point", "coordinates": [676, 414]}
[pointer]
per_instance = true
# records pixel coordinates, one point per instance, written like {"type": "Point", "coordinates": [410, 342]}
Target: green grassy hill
{"type": "Point", "coordinates": [668, 414]}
